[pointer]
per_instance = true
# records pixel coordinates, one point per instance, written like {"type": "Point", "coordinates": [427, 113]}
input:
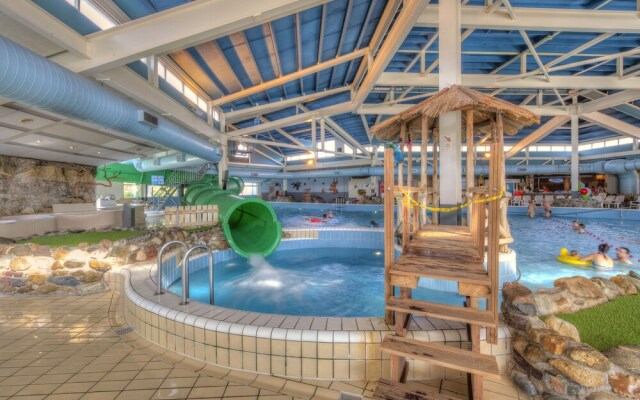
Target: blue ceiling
{"type": "Point", "coordinates": [263, 53]}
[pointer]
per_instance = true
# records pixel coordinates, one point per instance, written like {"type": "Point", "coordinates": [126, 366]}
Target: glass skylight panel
{"type": "Point", "coordinates": [88, 10]}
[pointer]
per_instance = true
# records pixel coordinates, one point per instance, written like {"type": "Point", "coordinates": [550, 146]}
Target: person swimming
{"type": "Point", "coordinates": [600, 260]}
{"type": "Point", "coordinates": [373, 224]}
{"type": "Point", "coordinates": [622, 256]}
{"type": "Point", "coordinates": [324, 218]}
{"type": "Point", "coordinates": [581, 228]}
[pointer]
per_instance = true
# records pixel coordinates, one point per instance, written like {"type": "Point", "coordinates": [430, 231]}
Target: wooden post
{"type": "Point", "coordinates": [493, 248]}
{"type": "Point", "coordinates": [389, 229]}
{"type": "Point", "coordinates": [423, 166]}
{"type": "Point", "coordinates": [476, 391]}
{"type": "Point", "coordinates": [470, 162]}
{"type": "Point", "coordinates": [435, 179]}
{"type": "Point", "coordinates": [400, 179]}
{"type": "Point", "coordinates": [406, 208]}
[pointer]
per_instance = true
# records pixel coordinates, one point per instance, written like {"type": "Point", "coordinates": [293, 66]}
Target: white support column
{"type": "Point", "coordinates": [575, 157]}
{"type": "Point", "coordinates": [285, 187]}
{"type": "Point", "coordinates": [152, 71]}
{"type": "Point", "coordinates": [223, 164]}
{"type": "Point", "coordinates": [450, 137]}
{"type": "Point", "coordinates": [314, 141]}
{"type": "Point", "coordinates": [322, 133]}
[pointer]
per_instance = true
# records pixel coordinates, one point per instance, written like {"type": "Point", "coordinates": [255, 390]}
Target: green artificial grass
{"type": "Point", "coordinates": [73, 239]}
{"type": "Point", "coordinates": [610, 324]}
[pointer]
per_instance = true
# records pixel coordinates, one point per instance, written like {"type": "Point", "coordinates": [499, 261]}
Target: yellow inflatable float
{"type": "Point", "coordinates": [567, 258]}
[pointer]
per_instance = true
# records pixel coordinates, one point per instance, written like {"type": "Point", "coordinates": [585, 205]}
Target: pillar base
{"type": "Point", "coordinates": [450, 218]}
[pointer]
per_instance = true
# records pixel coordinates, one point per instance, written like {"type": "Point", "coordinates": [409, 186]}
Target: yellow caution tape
{"type": "Point", "coordinates": [411, 202]}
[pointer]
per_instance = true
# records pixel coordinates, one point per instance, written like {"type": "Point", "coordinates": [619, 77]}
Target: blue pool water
{"type": "Point", "coordinates": [349, 282]}
{"type": "Point", "coordinates": [332, 282]}
{"type": "Point", "coordinates": [295, 217]}
{"type": "Point", "coordinates": [538, 242]}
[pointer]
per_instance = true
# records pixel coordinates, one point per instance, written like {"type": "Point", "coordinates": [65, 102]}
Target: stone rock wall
{"type": "Point", "coordinates": [548, 359]}
{"type": "Point", "coordinates": [30, 186]}
{"type": "Point", "coordinates": [36, 269]}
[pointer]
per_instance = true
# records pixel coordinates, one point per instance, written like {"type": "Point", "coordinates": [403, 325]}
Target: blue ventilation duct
{"type": "Point", "coordinates": [30, 79]}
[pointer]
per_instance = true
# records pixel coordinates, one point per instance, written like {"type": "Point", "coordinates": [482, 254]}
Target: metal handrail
{"type": "Point", "coordinates": [159, 267]}
{"type": "Point", "coordinates": [185, 274]}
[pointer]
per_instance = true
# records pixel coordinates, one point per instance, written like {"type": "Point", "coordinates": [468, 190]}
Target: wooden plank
{"type": "Point", "coordinates": [404, 281]}
{"type": "Point", "coordinates": [389, 228]}
{"type": "Point", "coordinates": [444, 311]}
{"type": "Point", "coordinates": [439, 354]}
{"type": "Point", "coordinates": [473, 289]}
{"type": "Point", "coordinates": [388, 390]}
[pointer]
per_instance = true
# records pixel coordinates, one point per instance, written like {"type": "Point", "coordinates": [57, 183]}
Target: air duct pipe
{"type": "Point", "coordinates": [610, 167]}
{"type": "Point", "coordinates": [30, 79]}
{"type": "Point", "coordinates": [174, 161]}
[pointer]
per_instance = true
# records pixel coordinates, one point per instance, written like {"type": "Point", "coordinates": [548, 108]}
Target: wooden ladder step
{"type": "Point", "coordinates": [447, 270]}
{"type": "Point", "coordinates": [388, 390]}
{"type": "Point", "coordinates": [443, 311]}
{"type": "Point", "coordinates": [439, 354]}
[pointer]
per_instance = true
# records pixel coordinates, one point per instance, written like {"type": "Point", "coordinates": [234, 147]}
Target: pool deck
{"type": "Point", "coordinates": [67, 347]}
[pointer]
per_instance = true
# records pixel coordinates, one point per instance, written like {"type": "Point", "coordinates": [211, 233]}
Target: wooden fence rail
{"type": "Point", "coordinates": [184, 216]}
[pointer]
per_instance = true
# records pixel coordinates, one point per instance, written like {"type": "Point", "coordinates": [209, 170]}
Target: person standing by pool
{"type": "Point", "coordinates": [531, 211]}
{"type": "Point", "coordinates": [622, 256]}
{"type": "Point", "coordinates": [547, 209]}
{"type": "Point", "coordinates": [601, 261]}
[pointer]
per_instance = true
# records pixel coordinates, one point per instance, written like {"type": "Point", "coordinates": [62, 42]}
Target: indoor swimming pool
{"type": "Point", "coordinates": [337, 279]}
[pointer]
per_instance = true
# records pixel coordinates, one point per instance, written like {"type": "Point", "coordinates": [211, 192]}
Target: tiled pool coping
{"type": "Point", "coordinates": [284, 345]}
{"type": "Point", "coordinates": [281, 345]}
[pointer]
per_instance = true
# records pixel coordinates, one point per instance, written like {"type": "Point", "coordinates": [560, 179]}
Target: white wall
{"type": "Point", "coordinates": [116, 189]}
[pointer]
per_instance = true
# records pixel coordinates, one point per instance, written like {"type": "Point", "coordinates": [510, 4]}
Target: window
{"type": "Point", "coordinates": [348, 149]}
{"type": "Point", "coordinates": [611, 143]}
{"type": "Point", "coordinates": [215, 115]}
{"type": "Point", "coordinates": [627, 140]}
{"type": "Point", "coordinates": [173, 80]}
{"type": "Point", "coordinates": [544, 148]}
{"type": "Point", "coordinates": [597, 145]}
{"type": "Point", "coordinates": [584, 147]}
{"type": "Point", "coordinates": [250, 189]}
{"type": "Point", "coordinates": [242, 151]}
{"type": "Point", "coordinates": [130, 190]}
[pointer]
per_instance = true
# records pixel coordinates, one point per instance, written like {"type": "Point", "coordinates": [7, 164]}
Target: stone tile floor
{"type": "Point", "coordinates": [67, 348]}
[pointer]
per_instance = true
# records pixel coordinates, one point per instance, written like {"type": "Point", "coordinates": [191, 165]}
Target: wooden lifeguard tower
{"type": "Point", "coordinates": [445, 252]}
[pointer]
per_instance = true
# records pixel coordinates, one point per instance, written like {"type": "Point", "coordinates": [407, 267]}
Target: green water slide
{"type": "Point", "coordinates": [249, 224]}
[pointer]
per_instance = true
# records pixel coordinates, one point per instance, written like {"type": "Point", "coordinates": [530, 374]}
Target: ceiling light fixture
{"type": "Point", "coordinates": [26, 120]}
{"type": "Point", "coordinates": [71, 147]}
{"type": "Point", "coordinates": [38, 141]}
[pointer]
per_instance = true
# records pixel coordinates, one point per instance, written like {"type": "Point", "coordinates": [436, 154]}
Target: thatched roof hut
{"type": "Point", "coordinates": [457, 98]}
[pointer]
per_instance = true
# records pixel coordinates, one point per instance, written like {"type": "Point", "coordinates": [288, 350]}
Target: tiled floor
{"type": "Point", "coordinates": [66, 348]}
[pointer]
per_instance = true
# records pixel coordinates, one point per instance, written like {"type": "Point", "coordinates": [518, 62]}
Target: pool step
{"type": "Point", "coordinates": [443, 311]}
{"type": "Point", "coordinates": [439, 354]}
{"type": "Point", "coordinates": [388, 390]}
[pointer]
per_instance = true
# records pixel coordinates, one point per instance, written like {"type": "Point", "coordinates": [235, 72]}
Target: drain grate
{"type": "Point", "coordinates": [349, 396]}
{"type": "Point", "coordinates": [124, 331]}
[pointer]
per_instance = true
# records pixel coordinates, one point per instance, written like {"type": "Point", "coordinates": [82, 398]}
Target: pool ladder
{"type": "Point", "coordinates": [185, 269]}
